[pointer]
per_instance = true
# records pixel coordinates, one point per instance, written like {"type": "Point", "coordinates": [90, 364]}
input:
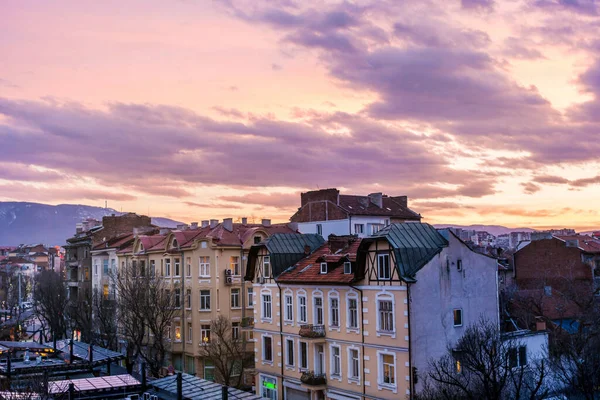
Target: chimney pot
{"type": "Point", "coordinates": [377, 199]}
{"type": "Point", "coordinates": [266, 222]}
{"type": "Point", "coordinates": [228, 224]}
{"type": "Point", "coordinates": [214, 223]}
{"type": "Point", "coordinates": [205, 223]}
{"type": "Point", "coordinates": [244, 221]}
{"type": "Point", "coordinates": [194, 225]}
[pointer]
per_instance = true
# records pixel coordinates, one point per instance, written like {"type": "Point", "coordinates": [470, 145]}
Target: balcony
{"type": "Point", "coordinates": [247, 323]}
{"type": "Point", "coordinates": [312, 331]}
{"type": "Point", "coordinates": [313, 381]}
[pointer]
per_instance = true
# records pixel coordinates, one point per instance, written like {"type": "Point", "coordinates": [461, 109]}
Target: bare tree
{"type": "Point", "coordinates": [50, 302]}
{"type": "Point", "coordinates": [227, 352]}
{"type": "Point", "coordinates": [482, 366]}
{"type": "Point", "coordinates": [79, 314]}
{"type": "Point", "coordinates": [104, 319]}
{"type": "Point", "coordinates": [146, 308]}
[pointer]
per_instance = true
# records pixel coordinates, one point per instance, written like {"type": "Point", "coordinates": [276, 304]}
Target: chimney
{"type": "Point", "coordinates": [337, 243]}
{"type": "Point", "coordinates": [182, 227]}
{"type": "Point", "coordinates": [214, 223]}
{"type": "Point", "coordinates": [266, 222]}
{"type": "Point", "coordinates": [194, 225]}
{"type": "Point", "coordinates": [244, 221]}
{"type": "Point", "coordinates": [205, 223]}
{"type": "Point", "coordinates": [164, 231]}
{"type": "Point", "coordinates": [228, 224]}
{"type": "Point", "coordinates": [377, 199]}
{"type": "Point", "coordinates": [402, 200]}
{"type": "Point", "coordinates": [540, 324]}
{"type": "Point", "coordinates": [79, 229]}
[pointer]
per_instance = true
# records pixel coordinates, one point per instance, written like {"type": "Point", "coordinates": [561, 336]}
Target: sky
{"type": "Point", "coordinates": [480, 111]}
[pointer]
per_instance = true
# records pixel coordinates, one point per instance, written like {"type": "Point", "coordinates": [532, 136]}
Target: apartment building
{"type": "Point", "coordinates": [358, 318]}
{"type": "Point", "coordinates": [327, 212]}
{"type": "Point", "coordinates": [204, 266]}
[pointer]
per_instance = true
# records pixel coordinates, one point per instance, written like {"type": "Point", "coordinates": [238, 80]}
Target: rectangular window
{"type": "Point", "coordinates": [359, 228]}
{"type": "Point", "coordinates": [188, 298]}
{"type": "Point", "coordinates": [190, 333]}
{"type": "Point", "coordinates": [177, 297]}
{"type": "Point", "coordinates": [353, 313]}
{"type": "Point", "coordinates": [134, 269]}
{"type": "Point", "coordinates": [177, 331]}
{"type": "Point", "coordinates": [234, 265]}
{"type": "Point", "coordinates": [347, 267]}
{"type": "Point", "coordinates": [336, 369]}
{"type": "Point", "coordinates": [235, 298]}
{"type": "Point", "coordinates": [319, 229]}
{"type": "Point", "coordinates": [205, 333]}
{"type": "Point", "coordinates": [205, 300]}
{"type": "Point", "coordinates": [96, 269]}
{"type": "Point", "coordinates": [303, 355]}
{"type": "Point", "coordinates": [459, 265]}
{"type": "Point", "coordinates": [383, 267]}
{"type": "Point", "coordinates": [267, 348]}
{"type": "Point", "coordinates": [142, 268]}
{"type": "Point", "coordinates": [257, 239]}
{"type": "Point", "coordinates": [204, 267]}
{"type": "Point", "coordinates": [250, 294]}
{"type": "Point", "coordinates": [152, 268]}
{"type": "Point", "coordinates": [353, 365]}
{"type": "Point", "coordinates": [235, 330]}
{"type": "Point", "coordinates": [323, 267]}
{"type": "Point", "coordinates": [266, 267]}
{"type": "Point", "coordinates": [188, 267]}
{"type": "Point", "coordinates": [318, 311]}
{"type": "Point", "coordinates": [302, 308]}
{"type": "Point", "coordinates": [388, 368]}
{"type": "Point", "coordinates": [113, 266]}
{"type": "Point", "coordinates": [266, 306]}
{"type": "Point", "coordinates": [517, 356]}
{"type": "Point", "coordinates": [289, 354]}
{"type": "Point", "coordinates": [209, 370]}
{"type": "Point", "coordinates": [334, 312]}
{"type": "Point", "coordinates": [386, 316]}
{"type": "Point", "coordinates": [105, 291]}
{"type": "Point", "coordinates": [289, 314]}
{"type": "Point", "coordinates": [376, 228]}
{"type": "Point", "coordinates": [167, 267]}
{"type": "Point", "coordinates": [177, 267]}
{"type": "Point", "coordinates": [105, 266]}
{"type": "Point", "coordinates": [457, 317]}
{"type": "Point", "coordinates": [268, 388]}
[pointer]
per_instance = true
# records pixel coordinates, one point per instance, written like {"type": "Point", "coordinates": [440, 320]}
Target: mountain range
{"type": "Point", "coordinates": [30, 223]}
{"type": "Point", "coordinates": [493, 229]}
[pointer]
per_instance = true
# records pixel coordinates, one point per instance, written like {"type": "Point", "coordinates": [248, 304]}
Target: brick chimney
{"type": "Point", "coordinates": [332, 195]}
{"type": "Point", "coordinates": [377, 199]}
{"type": "Point", "coordinates": [244, 221]}
{"type": "Point", "coordinates": [194, 225]}
{"type": "Point", "coordinates": [402, 200]}
{"type": "Point", "coordinates": [214, 223]}
{"type": "Point", "coordinates": [338, 242]}
{"type": "Point", "coordinates": [228, 224]}
{"type": "Point", "coordinates": [205, 223]}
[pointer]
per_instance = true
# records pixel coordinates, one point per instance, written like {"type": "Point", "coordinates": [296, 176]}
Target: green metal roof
{"type": "Point", "coordinates": [285, 250]}
{"type": "Point", "coordinates": [414, 245]}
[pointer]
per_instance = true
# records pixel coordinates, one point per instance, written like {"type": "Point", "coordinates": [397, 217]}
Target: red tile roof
{"type": "Point", "coordinates": [584, 242]}
{"type": "Point", "coordinates": [308, 270]}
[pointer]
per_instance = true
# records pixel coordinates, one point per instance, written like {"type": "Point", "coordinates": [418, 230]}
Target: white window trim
{"type": "Point", "coordinates": [262, 308]}
{"type": "Point", "coordinates": [239, 299]}
{"type": "Point", "coordinates": [300, 368]}
{"type": "Point", "coordinates": [380, 384]}
{"type": "Point", "coordinates": [316, 295]}
{"type": "Point", "coordinates": [352, 295]}
{"type": "Point", "coordinates": [287, 355]}
{"type": "Point", "coordinates": [205, 265]}
{"type": "Point", "coordinates": [349, 264]}
{"type": "Point", "coordinates": [262, 344]}
{"type": "Point", "coordinates": [352, 379]}
{"type": "Point", "coordinates": [386, 297]}
{"type": "Point", "coordinates": [389, 266]}
{"type": "Point", "coordinates": [334, 295]}
{"type": "Point", "coordinates": [302, 293]}
{"type": "Point", "coordinates": [462, 318]}
{"type": "Point", "coordinates": [250, 298]}
{"type": "Point", "coordinates": [323, 269]}
{"type": "Point", "coordinates": [337, 377]}
{"type": "Point", "coordinates": [288, 295]}
{"type": "Point", "coordinates": [200, 300]}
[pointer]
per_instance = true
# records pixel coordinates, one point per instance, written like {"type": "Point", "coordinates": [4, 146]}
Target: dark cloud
{"type": "Point", "coordinates": [550, 179]}
{"type": "Point", "coordinates": [486, 5]}
{"type": "Point", "coordinates": [530, 188]}
{"type": "Point", "coordinates": [516, 48]}
{"type": "Point", "coordinates": [14, 171]}
{"type": "Point", "coordinates": [277, 200]}
{"type": "Point", "coordinates": [162, 150]}
{"type": "Point", "coordinates": [22, 192]}
{"type": "Point", "coordinates": [585, 7]}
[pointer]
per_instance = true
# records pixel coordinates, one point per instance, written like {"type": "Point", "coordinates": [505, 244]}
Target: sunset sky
{"type": "Point", "coordinates": [480, 111]}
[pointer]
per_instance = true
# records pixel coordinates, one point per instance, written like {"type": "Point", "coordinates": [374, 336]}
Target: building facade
{"type": "Point", "coordinates": [327, 212]}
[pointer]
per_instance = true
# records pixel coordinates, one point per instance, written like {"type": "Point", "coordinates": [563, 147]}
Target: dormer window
{"type": "Point", "coordinates": [323, 267]}
{"type": "Point", "coordinates": [347, 267]}
{"type": "Point", "coordinates": [174, 243]}
{"type": "Point", "coordinates": [141, 247]}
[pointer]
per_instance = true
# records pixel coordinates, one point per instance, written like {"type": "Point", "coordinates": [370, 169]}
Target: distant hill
{"type": "Point", "coordinates": [28, 223]}
{"type": "Point", "coordinates": [493, 229]}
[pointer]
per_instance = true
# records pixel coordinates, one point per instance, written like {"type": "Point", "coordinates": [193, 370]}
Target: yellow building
{"type": "Point", "coordinates": [204, 267]}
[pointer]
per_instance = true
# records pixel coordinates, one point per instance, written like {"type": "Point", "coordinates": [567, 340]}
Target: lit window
{"type": "Point", "coordinates": [205, 333]}
{"type": "Point", "coordinates": [204, 267]}
{"type": "Point", "coordinates": [388, 368]}
{"type": "Point", "coordinates": [177, 332]}
{"type": "Point", "coordinates": [234, 265]}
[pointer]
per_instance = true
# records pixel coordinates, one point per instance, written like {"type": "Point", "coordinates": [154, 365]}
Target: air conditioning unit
{"type": "Point", "coordinates": [228, 280]}
{"type": "Point", "coordinates": [228, 272]}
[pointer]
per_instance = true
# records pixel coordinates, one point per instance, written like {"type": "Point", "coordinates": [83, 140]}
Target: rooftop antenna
{"type": "Point", "coordinates": [105, 204]}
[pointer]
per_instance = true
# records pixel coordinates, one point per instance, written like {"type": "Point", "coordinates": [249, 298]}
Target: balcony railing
{"type": "Point", "coordinates": [312, 331]}
{"type": "Point", "coordinates": [312, 379]}
{"type": "Point", "coordinates": [247, 322]}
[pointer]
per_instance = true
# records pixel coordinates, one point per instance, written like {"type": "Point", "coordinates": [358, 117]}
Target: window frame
{"type": "Point", "coordinates": [266, 309]}
{"type": "Point", "coordinates": [381, 364]}
{"type": "Point", "coordinates": [351, 364]}
{"type": "Point", "coordinates": [288, 311]}
{"type": "Point", "coordinates": [334, 312]}
{"type": "Point", "coordinates": [205, 299]}
{"type": "Point", "coordinates": [264, 349]}
{"type": "Point", "coordinates": [454, 315]}
{"type": "Point", "coordinates": [380, 276]}
{"type": "Point", "coordinates": [289, 354]}
{"type": "Point", "coordinates": [323, 268]}
{"type": "Point", "coordinates": [336, 361]}
{"type": "Point", "coordinates": [302, 308]}
{"type": "Point", "coordinates": [352, 298]}
{"type": "Point", "coordinates": [303, 364]}
{"type": "Point", "coordinates": [235, 294]}
{"type": "Point", "coordinates": [204, 267]}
